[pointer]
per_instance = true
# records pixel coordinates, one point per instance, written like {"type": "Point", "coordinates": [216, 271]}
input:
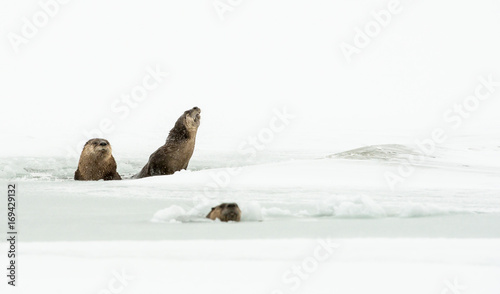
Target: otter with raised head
{"type": "Point", "coordinates": [96, 162]}
{"type": "Point", "coordinates": [225, 212]}
{"type": "Point", "coordinates": [178, 149]}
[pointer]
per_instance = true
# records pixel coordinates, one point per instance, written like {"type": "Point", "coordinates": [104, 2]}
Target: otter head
{"type": "Point", "coordinates": [98, 147]}
{"type": "Point", "coordinates": [191, 119]}
{"type": "Point", "coordinates": [230, 212]}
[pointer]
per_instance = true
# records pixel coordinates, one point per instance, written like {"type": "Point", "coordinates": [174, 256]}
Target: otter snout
{"type": "Point", "coordinates": [102, 146]}
{"type": "Point", "coordinates": [231, 212]}
{"type": "Point", "coordinates": [195, 111]}
{"type": "Point", "coordinates": [231, 216]}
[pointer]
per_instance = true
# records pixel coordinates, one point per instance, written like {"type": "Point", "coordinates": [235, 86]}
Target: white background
{"type": "Point", "coordinates": [263, 55]}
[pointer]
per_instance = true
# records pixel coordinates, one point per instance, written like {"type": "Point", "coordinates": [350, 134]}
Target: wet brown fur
{"type": "Point", "coordinates": [96, 162]}
{"type": "Point", "coordinates": [225, 212]}
{"type": "Point", "coordinates": [178, 149]}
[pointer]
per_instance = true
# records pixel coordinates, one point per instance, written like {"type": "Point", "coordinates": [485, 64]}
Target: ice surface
{"type": "Point", "coordinates": [276, 194]}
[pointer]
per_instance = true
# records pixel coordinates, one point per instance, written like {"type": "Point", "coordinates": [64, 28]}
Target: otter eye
{"type": "Point", "coordinates": [95, 143]}
{"type": "Point", "coordinates": [232, 205]}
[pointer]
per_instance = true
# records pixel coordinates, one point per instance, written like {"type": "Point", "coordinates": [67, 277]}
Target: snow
{"type": "Point", "coordinates": [422, 237]}
{"type": "Point", "coordinates": [263, 266]}
{"type": "Point", "coordinates": [171, 214]}
{"type": "Point", "coordinates": [426, 233]}
{"type": "Point", "coordinates": [391, 155]}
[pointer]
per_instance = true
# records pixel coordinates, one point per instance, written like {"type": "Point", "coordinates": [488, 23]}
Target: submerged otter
{"type": "Point", "coordinates": [225, 212]}
{"type": "Point", "coordinates": [178, 149]}
{"type": "Point", "coordinates": [96, 162]}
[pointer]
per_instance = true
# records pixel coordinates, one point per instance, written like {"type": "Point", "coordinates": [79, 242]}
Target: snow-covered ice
{"type": "Point", "coordinates": [263, 266]}
{"type": "Point", "coordinates": [419, 238]}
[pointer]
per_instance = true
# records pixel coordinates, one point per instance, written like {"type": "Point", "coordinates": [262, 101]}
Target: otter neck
{"type": "Point", "coordinates": [181, 133]}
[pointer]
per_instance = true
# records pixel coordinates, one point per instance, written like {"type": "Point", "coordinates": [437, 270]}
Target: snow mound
{"type": "Point", "coordinates": [172, 214]}
{"type": "Point", "coordinates": [360, 207]}
{"type": "Point", "coordinates": [366, 207]}
{"type": "Point", "coordinates": [338, 207]}
{"type": "Point", "coordinates": [421, 210]}
{"type": "Point", "coordinates": [276, 212]}
{"type": "Point", "coordinates": [378, 152]}
{"type": "Point", "coordinates": [251, 211]}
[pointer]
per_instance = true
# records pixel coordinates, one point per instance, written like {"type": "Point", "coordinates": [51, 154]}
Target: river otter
{"type": "Point", "coordinates": [225, 212]}
{"type": "Point", "coordinates": [178, 149]}
{"type": "Point", "coordinates": [96, 162]}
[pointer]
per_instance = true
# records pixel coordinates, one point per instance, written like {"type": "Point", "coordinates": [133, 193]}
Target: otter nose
{"type": "Point", "coordinates": [232, 205]}
{"type": "Point", "coordinates": [196, 108]}
{"type": "Point", "coordinates": [103, 144]}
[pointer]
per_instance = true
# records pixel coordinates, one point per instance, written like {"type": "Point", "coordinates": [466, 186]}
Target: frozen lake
{"type": "Point", "coordinates": [455, 193]}
{"type": "Point", "coordinates": [436, 229]}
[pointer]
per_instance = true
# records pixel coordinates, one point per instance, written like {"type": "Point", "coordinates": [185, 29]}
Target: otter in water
{"type": "Point", "coordinates": [225, 212]}
{"type": "Point", "coordinates": [96, 162]}
{"type": "Point", "coordinates": [178, 149]}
